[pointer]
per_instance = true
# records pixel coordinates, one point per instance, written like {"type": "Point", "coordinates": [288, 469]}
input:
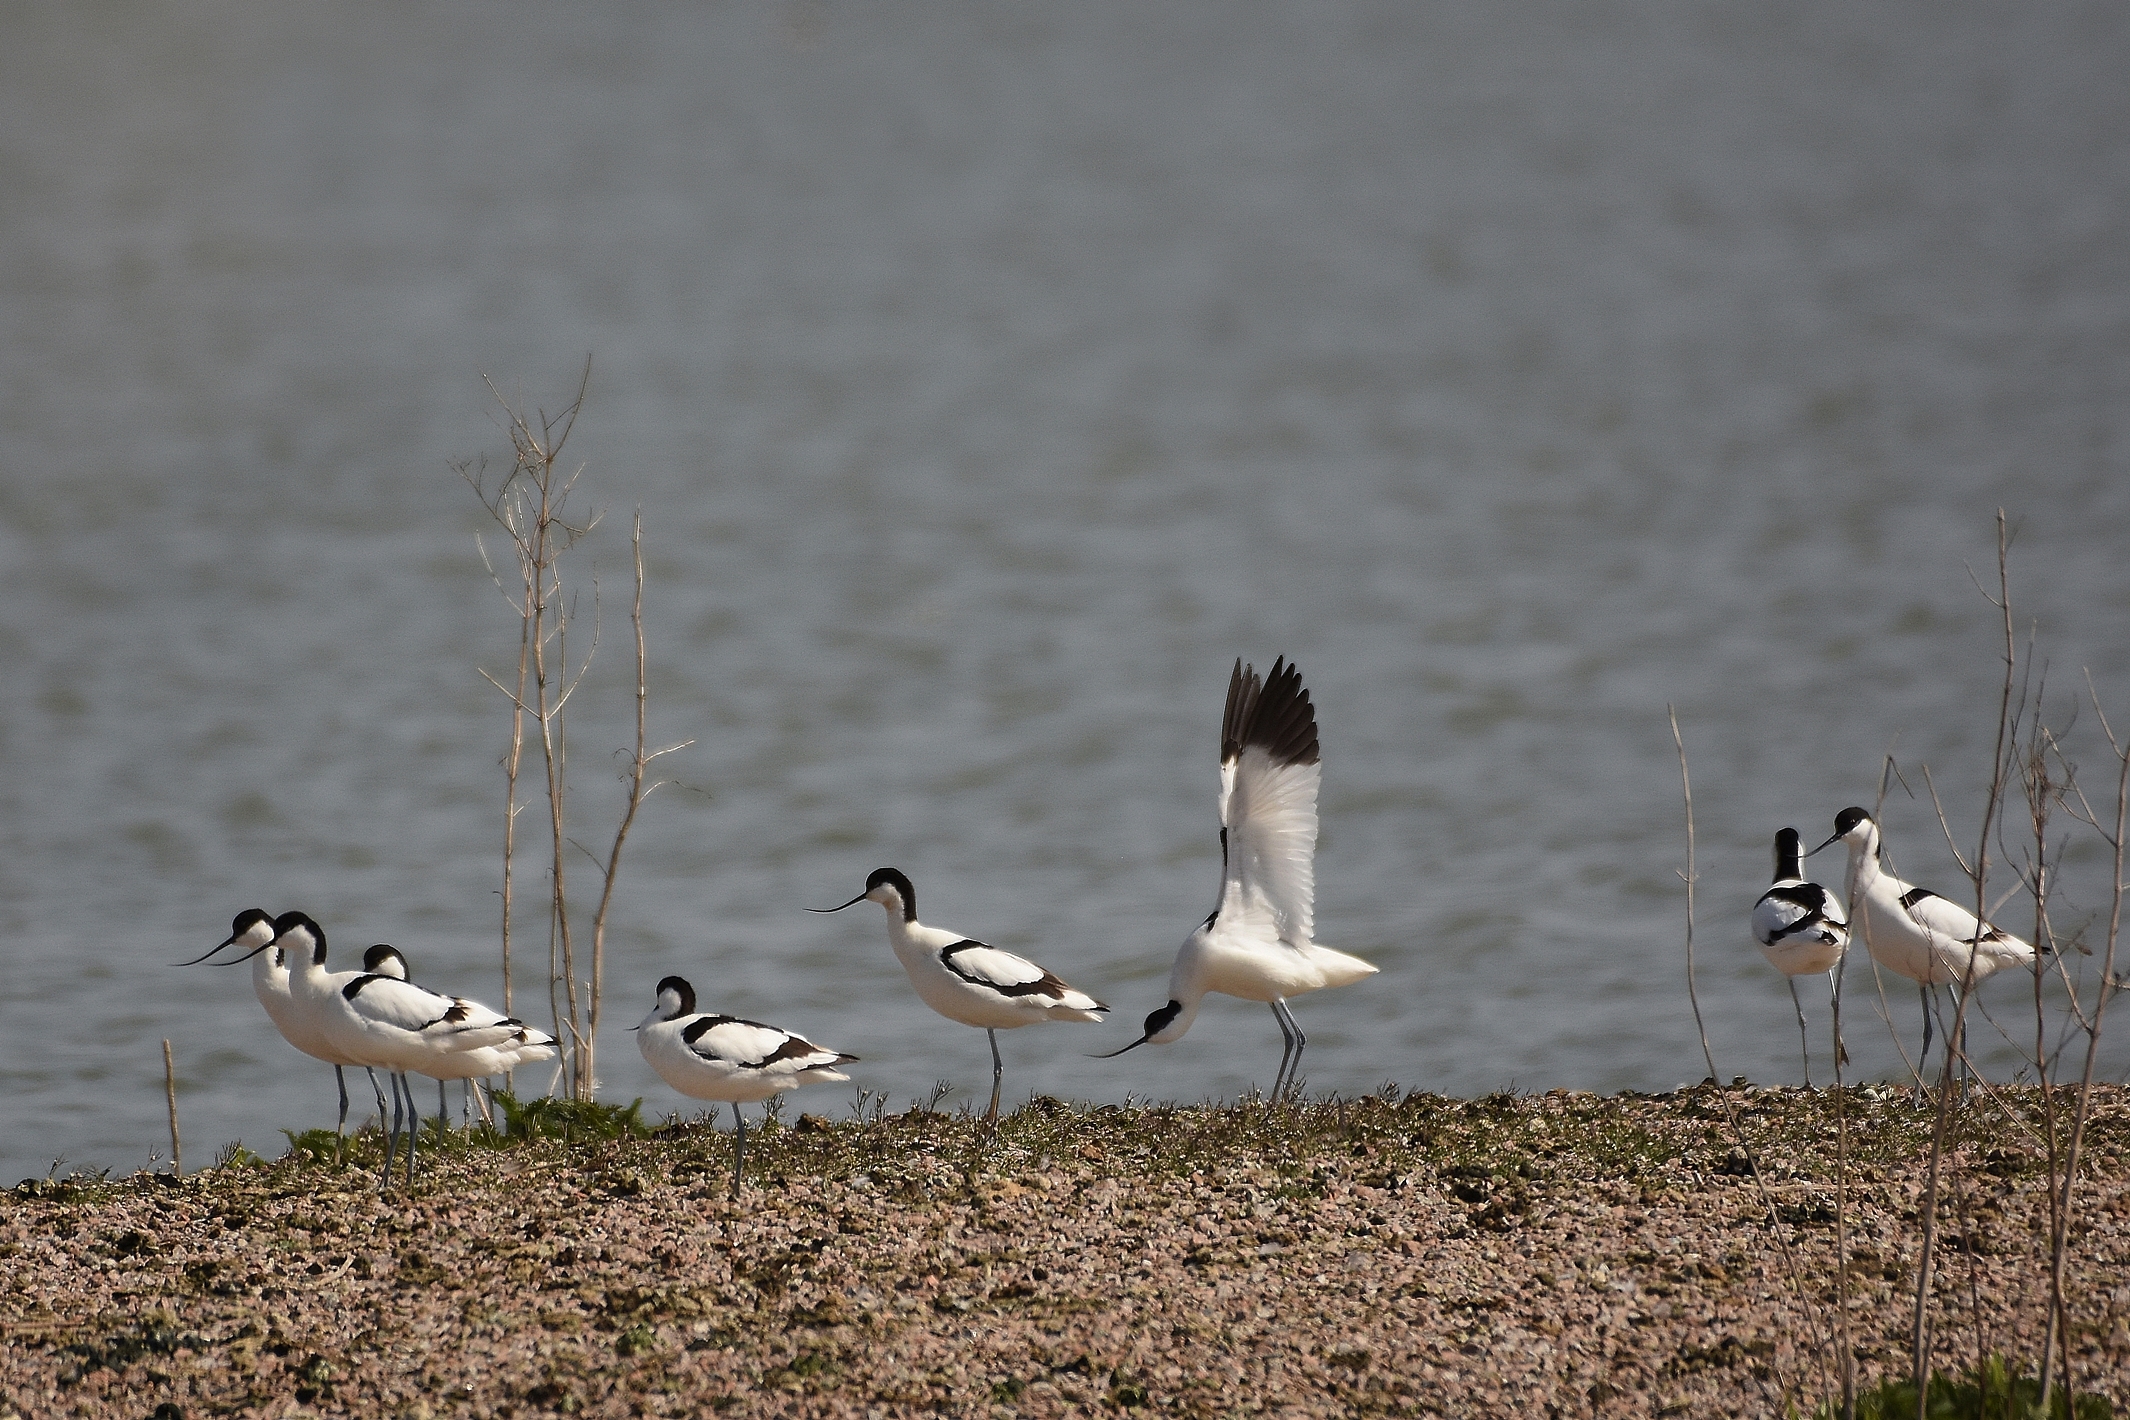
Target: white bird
{"type": "Point", "coordinates": [1801, 929]}
{"type": "Point", "coordinates": [383, 1021]}
{"type": "Point", "coordinates": [712, 1057]}
{"type": "Point", "coordinates": [480, 1063]}
{"type": "Point", "coordinates": [1912, 931]}
{"type": "Point", "coordinates": [1258, 943]}
{"type": "Point", "coordinates": [967, 981]}
{"type": "Point", "coordinates": [252, 929]}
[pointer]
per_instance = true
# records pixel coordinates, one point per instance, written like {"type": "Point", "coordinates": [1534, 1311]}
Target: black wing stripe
{"type": "Point", "coordinates": [792, 1047]}
{"type": "Point", "coordinates": [1044, 985]}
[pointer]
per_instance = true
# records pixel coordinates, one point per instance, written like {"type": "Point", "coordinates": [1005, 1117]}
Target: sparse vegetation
{"type": "Point", "coordinates": [1393, 1254]}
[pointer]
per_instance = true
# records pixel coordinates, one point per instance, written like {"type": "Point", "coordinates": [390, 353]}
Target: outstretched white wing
{"type": "Point", "coordinates": [1269, 773]}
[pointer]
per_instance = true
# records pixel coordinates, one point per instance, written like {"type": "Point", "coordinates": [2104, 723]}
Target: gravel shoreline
{"type": "Point", "coordinates": [1559, 1254]}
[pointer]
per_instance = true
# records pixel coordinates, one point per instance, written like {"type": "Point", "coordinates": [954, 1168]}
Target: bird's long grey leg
{"type": "Point", "coordinates": [1290, 1057]}
{"type": "Point", "coordinates": [1286, 1051]}
{"type": "Point", "coordinates": [1301, 1043]}
{"type": "Point", "coordinates": [414, 1133]}
{"type": "Point", "coordinates": [378, 1090]}
{"type": "Point", "coordinates": [998, 1072]}
{"type": "Point", "coordinates": [1924, 988]}
{"type": "Point", "coordinates": [384, 1183]}
{"type": "Point", "coordinates": [1803, 1042]}
{"type": "Point", "coordinates": [443, 1111]}
{"type": "Point", "coordinates": [340, 1128]}
{"type": "Point", "coordinates": [739, 1146]}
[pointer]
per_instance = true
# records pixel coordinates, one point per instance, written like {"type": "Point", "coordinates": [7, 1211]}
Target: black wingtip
{"type": "Point", "coordinates": [1274, 714]}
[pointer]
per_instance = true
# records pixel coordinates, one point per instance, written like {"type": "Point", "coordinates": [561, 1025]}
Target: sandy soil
{"type": "Point", "coordinates": [1561, 1254]}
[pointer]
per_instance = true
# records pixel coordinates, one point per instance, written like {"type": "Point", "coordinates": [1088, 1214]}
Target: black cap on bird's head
{"type": "Point", "coordinates": [384, 959]}
{"type": "Point", "coordinates": [242, 923]}
{"type": "Point", "coordinates": [683, 996]}
{"type": "Point", "coordinates": [289, 922]}
{"type": "Point", "coordinates": [1156, 1023]}
{"type": "Point", "coordinates": [889, 888]}
{"type": "Point", "coordinates": [1845, 823]}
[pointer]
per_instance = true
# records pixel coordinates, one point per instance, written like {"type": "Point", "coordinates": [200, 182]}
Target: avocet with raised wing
{"type": "Point", "coordinates": [967, 981]}
{"type": "Point", "coordinates": [1911, 931]}
{"type": "Point", "coordinates": [713, 1057]}
{"type": "Point", "coordinates": [1258, 944]}
{"type": "Point", "coordinates": [1801, 929]}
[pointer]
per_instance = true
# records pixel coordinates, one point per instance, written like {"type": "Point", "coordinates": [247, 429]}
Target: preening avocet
{"type": "Point", "coordinates": [1258, 944]}
{"type": "Point", "coordinates": [1912, 931]}
{"type": "Point", "coordinates": [966, 981]}
{"type": "Point", "coordinates": [250, 931]}
{"type": "Point", "coordinates": [383, 1021]}
{"type": "Point", "coordinates": [713, 1057]}
{"type": "Point", "coordinates": [1802, 930]}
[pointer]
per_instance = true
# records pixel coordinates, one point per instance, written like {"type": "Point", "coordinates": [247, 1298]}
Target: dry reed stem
{"type": "Point", "coordinates": [2061, 1193]}
{"type": "Point", "coordinates": [177, 1147]}
{"type": "Point", "coordinates": [530, 505]}
{"type": "Point", "coordinates": [1978, 874]}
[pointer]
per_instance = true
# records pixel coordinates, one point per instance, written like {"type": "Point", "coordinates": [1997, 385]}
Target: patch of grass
{"type": "Point", "coordinates": [1990, 1391]}
{"type": "Point", "coordinates": [565, 1120]}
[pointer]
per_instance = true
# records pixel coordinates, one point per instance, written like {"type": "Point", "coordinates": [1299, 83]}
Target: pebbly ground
{"type": "Point", "coordinates": [1562, 1254]}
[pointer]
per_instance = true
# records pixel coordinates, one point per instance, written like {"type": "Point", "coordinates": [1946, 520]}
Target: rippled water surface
{"type": "Point", "coordinates": [990, 378]}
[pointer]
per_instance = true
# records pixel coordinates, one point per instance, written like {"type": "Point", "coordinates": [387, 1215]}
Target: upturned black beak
{"type": "Point", "coordinates": [852, 903]}
{"type": "Point", "coordinates": [198, 959]}
{"type": "Point", "coordinates": [239, 961]}
{"type": "Point", "coordinates": [1115, 1053]}
{"type": "Point", "coordinates": [1835, 839]}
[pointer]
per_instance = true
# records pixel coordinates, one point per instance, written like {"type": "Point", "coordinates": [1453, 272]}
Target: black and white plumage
{"type": "Point", "coordinates": [715, 1057]}
{"type": "Point", "coordinates": [379, 1019]}
{"type": "Point", "coordinates": [482, 1062]}
{"type": "Point", "coordinates": [1259, 943]}
{"type": "Point", "coordinates": [1801, 929]}
{"type": "Point", "coordinates": [967, 981]}
{"type": "Point", "coordinates": [251, 931]}
{"type": "Point", "coordinates": [1912, 931]}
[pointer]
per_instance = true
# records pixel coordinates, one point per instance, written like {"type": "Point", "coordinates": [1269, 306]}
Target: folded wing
{"type": "Point", "coordinates": [752, 1046]}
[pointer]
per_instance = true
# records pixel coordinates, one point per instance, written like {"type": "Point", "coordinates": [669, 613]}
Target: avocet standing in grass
{"type": "Point", "coordinates": [1801, 929]}
{"type": "Point", "coordinates": [1258, 944]}
{"type": "Point", "coordinates": [251, 931]}
{"type": "Point", "coordinates": [713, 1057]}
{"type": "Point", "coordinates": [383, 1021]}
{"type": "Point", "coordinates": [967, 981]}
{"type": "Point", "coordinates": [480, 1063]}
{"type": "Point", "coordinates": [1912, 931]}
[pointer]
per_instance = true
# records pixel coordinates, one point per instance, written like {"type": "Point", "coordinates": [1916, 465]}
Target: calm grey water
{"type": "Point", "coordinates": [990, 379]}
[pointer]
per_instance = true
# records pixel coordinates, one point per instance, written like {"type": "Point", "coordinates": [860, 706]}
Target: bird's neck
{"type": "Point", "coordinates": [1863, 867]}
